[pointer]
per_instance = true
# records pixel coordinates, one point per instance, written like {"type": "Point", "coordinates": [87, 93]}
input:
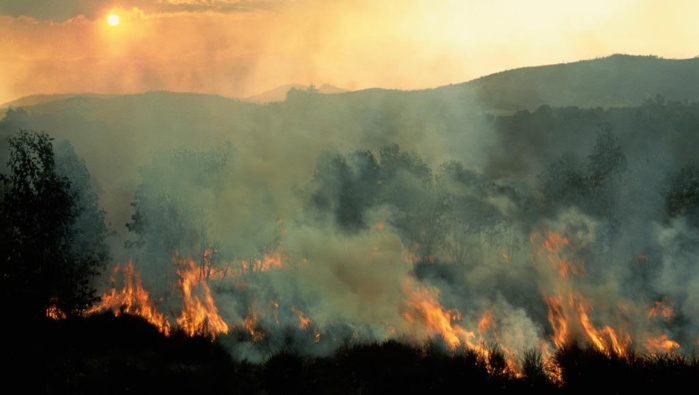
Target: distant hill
{"type": "Point", "coordinates": [34, 100]}
{"type": "Point", "coordinates": [614, 81]}
{"type": "Point", "coordinates": [279, 94]}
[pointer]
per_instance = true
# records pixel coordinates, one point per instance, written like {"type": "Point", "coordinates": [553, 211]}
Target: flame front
{"type": "Point", "coordinates": [610, 328]}
{"type": "Point", "coordinates": [199, 315]}
{"type": "Point", "coordinates": [569, 311]}
{"type": "Point", "coordinates": [132, 299]}
{"type": "Point", "coordinates": [423, 308]}
{"type": "Point", "coordinates": [422, 305]}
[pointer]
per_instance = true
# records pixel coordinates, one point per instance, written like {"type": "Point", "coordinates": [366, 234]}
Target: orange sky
{"type": "Point", "coordinates": [240, 48]}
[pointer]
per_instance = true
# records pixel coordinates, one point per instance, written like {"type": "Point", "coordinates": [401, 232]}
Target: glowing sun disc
{"type": "Point", "coordinates": [113, 19]}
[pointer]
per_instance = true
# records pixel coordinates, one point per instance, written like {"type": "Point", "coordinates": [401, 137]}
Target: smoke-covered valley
{"type": "Point", "coordinates": [468, 216]}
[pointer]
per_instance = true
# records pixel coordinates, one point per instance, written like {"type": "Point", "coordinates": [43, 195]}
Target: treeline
{"type": "Point", "coordinates": [660, 132]}
{"type": "Point", "coordinates": [55, 232]}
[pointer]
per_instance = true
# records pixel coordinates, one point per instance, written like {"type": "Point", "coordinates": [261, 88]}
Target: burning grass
{"type": "Point", "coordinates": [587, 343]}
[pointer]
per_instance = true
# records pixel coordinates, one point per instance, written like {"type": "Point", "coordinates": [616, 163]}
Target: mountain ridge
{"type": "Point", "coordinates": [614, 81]}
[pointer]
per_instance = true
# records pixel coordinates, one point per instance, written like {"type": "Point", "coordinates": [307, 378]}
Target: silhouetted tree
{"type": "Point", "coordinates": [345, 186]}
{"type": "Point", "coordinates": [563, 182]}
{"type": "Point", "coordinates": [408, 185]}
{"type": "Point", "coordinates": [470, 220]}
{"type": "Point", "coordinates": [607, 163]}
{"type": "Point", "coordinates": [45, 260]}
{"type": "Point", "coordinates": [88, 250]}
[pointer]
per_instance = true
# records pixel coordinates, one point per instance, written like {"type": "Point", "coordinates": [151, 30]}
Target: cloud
{"type": "Point", "coordinates": [63, 10]}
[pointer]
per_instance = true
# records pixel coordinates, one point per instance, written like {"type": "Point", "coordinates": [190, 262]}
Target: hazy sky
{"type": "Point", "coordinates": [240, 48]}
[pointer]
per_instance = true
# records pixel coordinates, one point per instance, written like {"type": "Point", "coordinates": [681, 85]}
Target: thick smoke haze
{"type": "Point", "coordinates": [381, 215]}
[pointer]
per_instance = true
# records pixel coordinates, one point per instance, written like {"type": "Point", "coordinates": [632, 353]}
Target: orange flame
{"type": "Point", "coordinates": [422, 304]}
{"type": "Point", "coordinates": [573, 321]}
{"type": "Point", "coordinates": [557, 248]}
{"type": "Point", "coordinates": [422, 307]}
{"type": "Point", "coordinates": [304, 322]}
{"type": "Point", "coordinates": [250, 325]}
{"type": "Point", "coordinates": [558, 321]}
{"type": "Point", "coordinates": [607, 340]}
{"type": "Point", "coordinates": [661, 344]}
{"type": "Point", "coordinates": [553, 369]}
{"type": "Point", "coordinates": [55, 313]}
{"type": "Point", "coordinates": [237, 268]}
{"type": "Point", "coordinates": [131, 299]}
{"type": "Point", "coordinates": [662, 308]}
{"type": "Point", "coordinates": [199, 315]}
{"type": "Point", "coordinates": [486, 321]}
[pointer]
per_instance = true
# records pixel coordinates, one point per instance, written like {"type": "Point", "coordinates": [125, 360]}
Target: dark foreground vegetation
{"type": "Point", "coordinates": [107, 354]}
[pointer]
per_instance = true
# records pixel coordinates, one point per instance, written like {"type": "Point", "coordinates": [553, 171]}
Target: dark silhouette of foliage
{"type": "Point", "coordinates": [592, 187]}
{"type": "Point", "coordinates": [107, 354]}
{"type": "Point", "coordinates": [345, 187]}
{"type": "Point", "coordinates": [46, 259]}
{"type": "Point", "coordinates": [683, 194]}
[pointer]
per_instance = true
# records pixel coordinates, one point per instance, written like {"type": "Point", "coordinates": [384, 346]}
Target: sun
{"type": "Point", "coordinates": [113, 19]}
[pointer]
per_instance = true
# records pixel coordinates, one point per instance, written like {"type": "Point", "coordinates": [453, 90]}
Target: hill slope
{"type": "Point", "coordinates": [615, 81]}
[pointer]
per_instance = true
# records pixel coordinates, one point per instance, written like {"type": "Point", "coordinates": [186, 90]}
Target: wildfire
{"type": "Point", "coordinates": [572, 321]}
{"type": "Point", "coordinates": [250, 325]}
{"type": "Point", "coordinates": [237, 268]}
{"type": "Point", "coordinates": [576, 314]}
{"type": "Point", "coordinates": [132, 299]}
{"type": "Point", "coordinates": [552, 368]}
{"type": "Point", "coordinates": [606, 340]}
{"type": "Point", "coordinates": [662, 308]}
{"type": "Point", "coordinates": [422, 305]}
{"type": "Point", "coordinates": [661, 344]}
{"type": "Point", "coordinates": [55, 313]}
{"type": "Point", "coordinates": [486, 321]}
{"type": "Point", "coordinates": [559, 251]}
{"type": "Point", "coordinates": [304, 322]}
{"type": "Point", "coordinates": [558, 321]}
{"type": "Point", "coordinates": [199, 315]}
{"type": "Point", "coordinates": [572, 313]}
{"type": "Point", "coordinates": [267, 262]}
